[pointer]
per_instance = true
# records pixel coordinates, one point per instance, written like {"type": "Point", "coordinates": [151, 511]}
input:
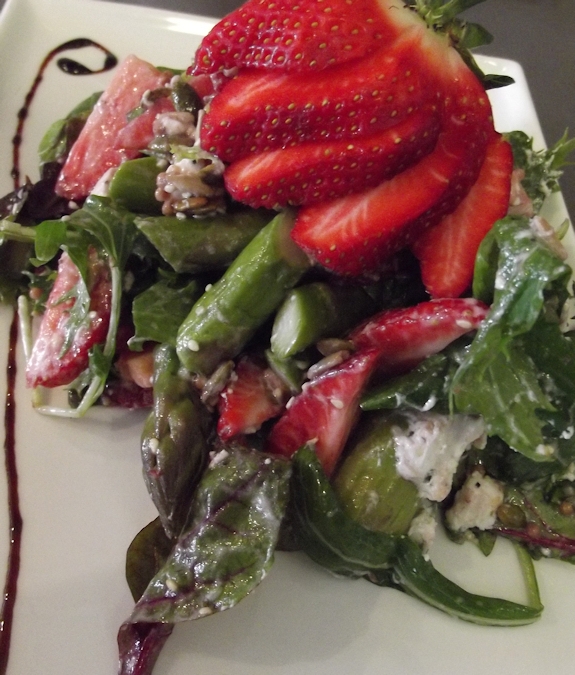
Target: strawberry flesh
{"type": "Point", "coordinates": [325, 412]}
{"type": "Point", "coordinates": [52, 362]}
{"type": "Point", "coordinates": [321, 171]}
{"type": "Point", "coordinates": [108, 137]}
{"type": "Point", "coordinates": [447, 251]}
{"type": "Point", "coordinates": [253, 396]}
{"type": "Point", "coordinates": [404, 337]}
{"type": "Point", "coordinates": [353, 235]}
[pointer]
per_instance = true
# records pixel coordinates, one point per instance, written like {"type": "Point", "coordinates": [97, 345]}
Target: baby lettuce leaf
{"type": "Point", "coordinates": [228, 547]}
{"type": "Point", "coordinates": [145, 557]}
{"type": "Point", "coordinates": [497, 378]}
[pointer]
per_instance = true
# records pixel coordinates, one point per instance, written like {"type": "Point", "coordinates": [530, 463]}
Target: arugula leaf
{"type": "Point", "coordinates": [543, 168]}
{"type": "Point", "coordinates": [497, 362]}
{"type": "Point", "coordinates": [100, 226]}
{"type": "Point", "coordinates": [418, 577]}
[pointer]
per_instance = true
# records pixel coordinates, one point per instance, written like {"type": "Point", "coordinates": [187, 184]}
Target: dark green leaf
{"type": "Point", "coordinates": [419, 578]}
{"type": "Point", "coordinates": [111, 225]}
{"type": "Point", "coordinates": [158, 312]}
{"type": "Point", "coordinates": [424, 387]}
{"type": "Point", "coordinates": [61, 135]}
{"type": "Point", "coordinates": [197, 244]}
{"type": "Point", "coordinates": [145, 557]}
{"type": "Point", "coordinates": [497, 379]}
{"type": "Point", "coordinates": [324, 531]}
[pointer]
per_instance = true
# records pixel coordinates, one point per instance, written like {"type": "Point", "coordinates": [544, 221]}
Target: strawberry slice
{"type": "Point", "coordinates": [447, 251]}
{"type": "Point", "coordinates": [254, 395]}
{"type": "Point", "coordinates": [61, 353]}
{"type": "Point", "coordinates": [257, 112]}
{"type": "Point", "coordinates": [108, 137]}
{"type": "Point", "coordinates": [324, 170]}
{"type": "Point", "coordinates": [353, 235]}
{"type": "Point", "coordinates": [296, 36]}
{"type": "Point", "coordinates": [325, 412]}
{"type": "Point", "coordinates": [402, 338]}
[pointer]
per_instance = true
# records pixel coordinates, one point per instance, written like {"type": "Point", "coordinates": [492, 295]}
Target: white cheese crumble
{"type": "Point", "coordinates": [423, 528]}
{"type": "Point", "coordinates": [218, 457]}
{"type": "Point", "coordinates": [428, 451]}
{"type": "Point", "coordinates": [476, 503]}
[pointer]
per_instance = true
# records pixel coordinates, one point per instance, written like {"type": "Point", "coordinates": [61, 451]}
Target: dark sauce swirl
{"type": "Point", "coordinates": [71, 67]}
{"type": "Point", "coordinates": [67, 65]}
{"type": "Point", "coordinates": [14, 515]}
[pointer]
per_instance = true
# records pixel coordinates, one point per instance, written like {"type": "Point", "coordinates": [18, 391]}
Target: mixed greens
{"type": "Point", "coordinates": [205, 290]}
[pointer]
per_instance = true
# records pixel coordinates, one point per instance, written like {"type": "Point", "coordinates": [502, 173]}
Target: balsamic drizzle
{"type": "Point", "coordinates": [15, 517]}
{"type": "Point", "coordinates": [67, 65]}
{"type": "Point", "coordinates": [71, 67]}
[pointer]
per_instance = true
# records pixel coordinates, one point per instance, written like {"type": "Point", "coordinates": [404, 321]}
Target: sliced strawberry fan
{"type": "Point", "coordinates": [284, 121]}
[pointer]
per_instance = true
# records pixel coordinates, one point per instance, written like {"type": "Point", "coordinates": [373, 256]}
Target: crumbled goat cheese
{"type": "Point", "coordinates": [428, 451]}
{"type": "Point", "coordinates": [176, 125]}
{"type": "Point", "coordinates": [423, 528]}
{"type": "Point", "coordinates": [476, 503]}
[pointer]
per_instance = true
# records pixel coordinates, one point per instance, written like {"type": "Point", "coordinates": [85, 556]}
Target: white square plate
{"type": "Point", "coordinates": [83, 499]}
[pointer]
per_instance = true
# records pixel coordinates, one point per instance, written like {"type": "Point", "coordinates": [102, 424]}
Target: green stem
{"type": "Point", "coordinates": [529, 576]}
{"type": "Point", "coordinates": [9, 230]}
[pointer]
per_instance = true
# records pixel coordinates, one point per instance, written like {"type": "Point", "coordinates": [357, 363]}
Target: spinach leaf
{"type": "Point", "coordinates": [145, 557]}
{"type": "Point", "coordinates": [228, 547]}
{"type": "Point", "coordinates": [159, 311]}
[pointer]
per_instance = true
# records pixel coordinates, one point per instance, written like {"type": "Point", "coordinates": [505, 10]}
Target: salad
{"type": "Point", "coordinates": [91, 263]}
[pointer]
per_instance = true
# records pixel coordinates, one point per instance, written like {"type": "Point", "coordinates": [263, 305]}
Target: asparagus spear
{"type": "Point", "coordinates": [316, 311]}
{"type": "Point", "coordinates": [229, 312]}
{"type": "Point", "coordinates": [174, 445]}
{"type": "Point", "coordinates": [199, 244]}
